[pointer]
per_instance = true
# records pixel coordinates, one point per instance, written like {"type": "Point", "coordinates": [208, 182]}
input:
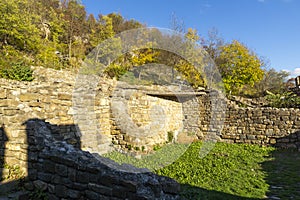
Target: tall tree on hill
{"type": "Point", "coordinates": [273, 81]}
{"type": "Point", "coordinates": [120, 24]}
{"type": "Point", "coordinates": [52, 28]}
{"type": "Point", "coordinates": [239, 67]}
{"type": "Point", "coordinates": [19, 26]}
{"type": "Point", "coordinates": [75, 19]}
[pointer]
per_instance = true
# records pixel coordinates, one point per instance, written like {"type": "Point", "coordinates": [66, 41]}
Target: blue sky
{"type": "Point", "coordinates": [269, 27]}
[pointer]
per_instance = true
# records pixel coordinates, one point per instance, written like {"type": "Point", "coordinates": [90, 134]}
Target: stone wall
{"type": "Point", "coordinates": [246, 124]}
{"type": "Point", "coordinates": [141, 120]}
{"type": "Point", "coordinates": [108, 113]}
{"type": "Point", "coordinates": [48, 97]}
{"type": "Point", "coordinates": [90, 124]}
{"type": "Point", "coordinates": [48, 148]}
{"type": "Point", "coordinates": [65, 172]}
{"type": "Point", "coordinates": [264, 126]}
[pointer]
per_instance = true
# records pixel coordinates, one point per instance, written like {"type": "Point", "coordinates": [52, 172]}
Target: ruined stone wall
{"type": "Point", "coordinates": [48, 97]}
{"type": "Point", "coordinates": [265, 126]}
{"type": "Point", "coordinates": [254, 125]}
{"type": "Point", "coordinates": [64, 172]}
{"type": "Point", "coordinates": [142, 120]}
{"type": "Point", "coordinates": [90, 124]}
{"type": "Point", "coordinates": [39, 133]}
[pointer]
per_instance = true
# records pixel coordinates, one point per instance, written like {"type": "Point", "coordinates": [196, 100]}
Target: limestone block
{"type": "Point", "coordinates": [29, 97]}
{"type": "Point", "coordinates": [65, 96]}
{"type": "Point", "coordinates": [3, 94]}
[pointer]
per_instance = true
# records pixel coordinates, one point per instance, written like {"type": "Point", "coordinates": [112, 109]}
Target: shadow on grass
{"type": "Point", "coordinates": [283, 169]}
{"type": "Point", "coordinates": [194, 193]}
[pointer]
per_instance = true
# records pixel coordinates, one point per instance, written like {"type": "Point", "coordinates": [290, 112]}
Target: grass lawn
{"type": "Point", "coordinates": [229, 171]}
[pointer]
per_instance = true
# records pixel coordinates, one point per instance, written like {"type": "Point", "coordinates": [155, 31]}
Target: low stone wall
{"type": "Point", "coordinates": [264, 126]}
{"type": "Point", "coordinates": [65, 172]}
{"type": "Point", "coordinates": [255, 125]}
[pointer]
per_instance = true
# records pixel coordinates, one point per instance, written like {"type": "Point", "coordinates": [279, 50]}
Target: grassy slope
{"type": "Point", "coordinates": [229, 171]}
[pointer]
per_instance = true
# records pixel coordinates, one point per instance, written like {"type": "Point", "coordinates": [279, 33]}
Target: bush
{"type": "Point", "coordinates": [18, 71]}
{"type": "Point", "coordinates": [284, 100]}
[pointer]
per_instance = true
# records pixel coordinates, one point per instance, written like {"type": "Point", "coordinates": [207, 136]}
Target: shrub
{"type": "Point", "coordinates": [18, 71]}
{"type": "Point", "coordinates": [284, 100]}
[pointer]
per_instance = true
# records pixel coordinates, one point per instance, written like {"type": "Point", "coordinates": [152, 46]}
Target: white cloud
{"type": "Point", "coordinates": [261, 1]}
{"type": "Point", "coordinates": [294, 73]}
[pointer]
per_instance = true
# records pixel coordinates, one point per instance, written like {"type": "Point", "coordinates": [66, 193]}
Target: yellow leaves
{"type": "Point", "coordinates": [144, 56]}
{"type": "Point", "coordinates": [192, 34]}
{"type": "Point", "coordinates": [239, 67]}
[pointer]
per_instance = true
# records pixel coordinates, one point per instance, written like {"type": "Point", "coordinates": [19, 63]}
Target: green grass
{"type": "Point", "coordinates": [229, 168]}
{"type": "Point", "coordinates": [161, 157]}
{"type": "Point", "coordinates": [283, 174]}
{"type": "Point", "coordinates": [229, 171]}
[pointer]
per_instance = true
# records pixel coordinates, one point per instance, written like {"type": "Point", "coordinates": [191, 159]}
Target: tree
{"type": "Point", "coordinates": [18, 26]}
{"type": "Point", "coordinates": [238, 66]}
{"type": "Point", "coordinates": [213, 44]}
{"type": "Point", "coordinates": [273, 81]}
{"type": "Point", "coordinates": [187, 47]}
{"type": "Point", "coordinates": [120, 24]}
{"type": "Point", "coordinates": [143, 54]}
{"type": "Point", "coordinates": [75, 19]}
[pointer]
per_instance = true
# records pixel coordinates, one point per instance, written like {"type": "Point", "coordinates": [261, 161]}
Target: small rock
{"type": "Point", "coordinates": [40, 185]}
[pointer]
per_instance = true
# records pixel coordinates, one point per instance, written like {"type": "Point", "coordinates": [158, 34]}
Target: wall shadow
{"type": "Point", "coordinates": [36, 129]}
{"type": "Point", "coordinates": [282, 168]}
{"type": "Point", "coordinates": [67, 133]}
{"type": "Point", "coordinates": [3, 140]}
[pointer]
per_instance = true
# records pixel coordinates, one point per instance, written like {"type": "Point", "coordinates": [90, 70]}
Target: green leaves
{"type": "Point", "coordinates": [18, 25]}
{"type": "Point", "coordinates": [17, 71]}
{"type": "Point", "coordinates": [284, 100]}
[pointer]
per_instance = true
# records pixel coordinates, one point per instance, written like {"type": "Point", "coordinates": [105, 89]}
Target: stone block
{"type": "Point", "coordinates": [91, 195]}
{"type": "Point", "coordinates": [61, 170]}
{"type": "Point", "coordinates": [82, 177]}
{"type": "Point", "coordinates": [51, 188]}
{"type": "Point", "coordinates": [171, 187]}
{"type": "Point", "coordinates": [49, 166]}
{"type": "Point", "coordinates": [119, 192]}
{"type": "Point", "coordinates": [61, 191]}
{"type": "Point", "coordinates": [40, 185]}
{"type": "Point", "coordinates": [108, 180]}
{"type": "Point", "coordinates": [74, 194]}
{"type": "Point", "coordinates": [100, 189]}
{"type": "Point", "coordinates": [79, 186]}
{"type": "Point", "coordinates": [52, 197]}
{"type": "Point", "coordinates": [3, 93]}
{"type": "Point", "coordinates": [29, 97]}
{"type": "Point", "coordinates": [44, 177]}
{"type": "Point", "coordinates": [251, 137]}
{"type": "Point", "coordinates": [65, 96]}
